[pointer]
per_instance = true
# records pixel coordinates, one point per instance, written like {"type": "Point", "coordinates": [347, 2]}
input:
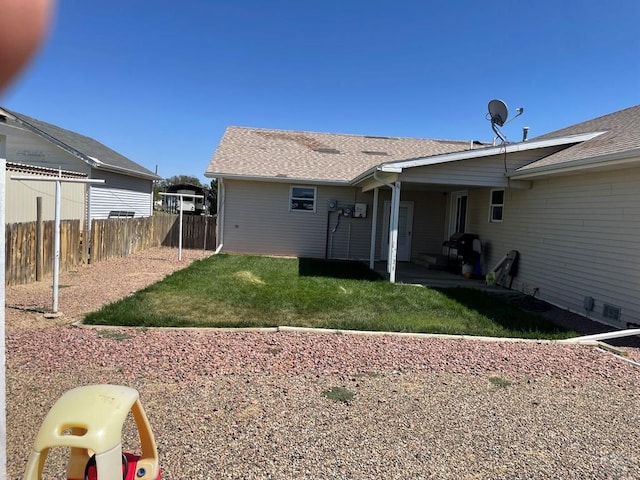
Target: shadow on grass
{"type": "Point", "coordinates": [505, 314]}
{"type": "Point", "coordinates": [316, 267]}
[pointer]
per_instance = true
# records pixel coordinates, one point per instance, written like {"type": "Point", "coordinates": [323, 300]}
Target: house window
{"type": "Point", "coordinates": [302, 199]}
{"type": "Point", "coordinates": [496, 206]}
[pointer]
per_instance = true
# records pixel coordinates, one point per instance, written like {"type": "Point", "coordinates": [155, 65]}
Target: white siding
{"type": "Point", "coordinates": [257, 220]}
{"type": "Point", "coordinates": [119, 192]}
{"type": "Point", "coordinates": [577, 235]}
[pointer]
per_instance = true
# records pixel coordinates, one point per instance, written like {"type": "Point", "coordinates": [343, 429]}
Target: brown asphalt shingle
{"type": "Point", "coordinates": [254, 152]}
{"type": "Point", "coordinates": [621, 133]}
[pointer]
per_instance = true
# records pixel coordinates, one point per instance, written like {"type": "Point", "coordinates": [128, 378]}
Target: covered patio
{"type": "Point", "coordinates": [411, 273]}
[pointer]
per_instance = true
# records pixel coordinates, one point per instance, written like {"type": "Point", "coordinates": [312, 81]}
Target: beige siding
{"type": "Point", "coordinates": [21, 199]}
{"type": "Point", "coordinates": [428, 221]}
{"type": "Point", "coordinates": [257, 220]}
{"type": "Point", "coordinates": [577, 235]}
{"type": "Point", "coordinates": [487, 171]}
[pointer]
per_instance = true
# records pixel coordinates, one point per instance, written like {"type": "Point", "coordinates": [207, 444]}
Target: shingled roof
{"type": "Point", "coordinates": [620, 133]}
{"type": "Point", "coordinates": [87, 149]}
{"type": "Point", "coordinates": [324, 157]}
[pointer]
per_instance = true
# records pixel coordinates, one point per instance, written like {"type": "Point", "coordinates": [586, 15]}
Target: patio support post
{"type": "Point", "coordinates": [393, 231]}
{"type": "Point", "coordinates": [374, 227]}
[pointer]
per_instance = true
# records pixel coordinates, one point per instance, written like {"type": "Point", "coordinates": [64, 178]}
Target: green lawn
{"type": "Point", "coordinates": [250, 291]}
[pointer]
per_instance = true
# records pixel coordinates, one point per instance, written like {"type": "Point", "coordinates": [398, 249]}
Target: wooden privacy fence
{"type": "Point", "coordinates": [120, 237]}
{"type": "Point", "coordinates": [117, 237]}
{"type": "Point", "coordinates": [20, 250]}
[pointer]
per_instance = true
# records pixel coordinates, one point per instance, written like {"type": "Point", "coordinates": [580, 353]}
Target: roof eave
{"type": "Point", "coordinates": [398, 166]}
{"type": "Point", "coordinates": [126, 171]}
{"type": "Point", "coordinates": [619, 159]}
{"type": "Point", "coordinates": [491, 151]}
{"type": "Point", "coordinates": [280, 179]}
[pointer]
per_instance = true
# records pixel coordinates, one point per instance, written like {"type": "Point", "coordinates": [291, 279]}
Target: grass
{"type": "Point", "coordinates": [339, 394]}
{"type": "Point", "coordinates": [500, 382]}
{"type": "Point", "coordinates": [250, 291]}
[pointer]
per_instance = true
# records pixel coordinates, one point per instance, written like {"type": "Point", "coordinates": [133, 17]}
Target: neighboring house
{"type": "Point", "coordinates": [128, 186]}
{"type": "Point", "coordinates": [567, 201]}
{"type": "Point", "coordinates": [22, 195]}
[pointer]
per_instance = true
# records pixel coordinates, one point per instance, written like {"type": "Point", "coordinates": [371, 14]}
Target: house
{"type": "Point", "coordinates": [127, 187]}
{"type": "Point", "coordinates": [568, 202]}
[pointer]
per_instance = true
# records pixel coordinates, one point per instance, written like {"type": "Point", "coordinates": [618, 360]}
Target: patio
{"type": "Point", "coordinates": [407, 272]}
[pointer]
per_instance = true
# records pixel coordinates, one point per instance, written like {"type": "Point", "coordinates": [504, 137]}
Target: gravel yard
{"type": "Point", "coordinates": [250, 405]}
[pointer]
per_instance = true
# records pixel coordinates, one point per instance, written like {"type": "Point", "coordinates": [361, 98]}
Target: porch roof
{"type": "Point", "coordinates": [542, 143]}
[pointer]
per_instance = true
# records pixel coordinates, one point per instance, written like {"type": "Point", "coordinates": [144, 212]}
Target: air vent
{"type": "Point", "coordinates": [326, 150]}
{"type": "Point", "coordinates": [611, 312]}
{"type": "Point", "coordinates": [369, 152]}
{"type": "Point", "coordinates": [380, 138]}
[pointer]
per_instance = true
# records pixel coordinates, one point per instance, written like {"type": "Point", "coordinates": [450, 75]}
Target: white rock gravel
{"type": "Point", "coordinates": [246, 405]}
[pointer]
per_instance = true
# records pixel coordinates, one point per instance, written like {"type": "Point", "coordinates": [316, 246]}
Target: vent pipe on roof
{"type": "Point", "coordinates": [525, 133]}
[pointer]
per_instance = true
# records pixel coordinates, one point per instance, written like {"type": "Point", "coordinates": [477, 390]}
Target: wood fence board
{"type": "Point", "coordinates": [20, 249]}
{"type": "Point", "coordinates": [108, 239]}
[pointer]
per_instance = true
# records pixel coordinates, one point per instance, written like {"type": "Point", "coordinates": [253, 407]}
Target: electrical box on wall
{"type": "Point", "coordinates": [360, 210]}
{"type": "Point", "coordinates": [332, 205]}
{"type": "Point", "coordinates": [347, 210]}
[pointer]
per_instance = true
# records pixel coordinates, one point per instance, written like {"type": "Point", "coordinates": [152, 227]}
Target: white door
{"type": "Point", "coordinates": [405, 226]}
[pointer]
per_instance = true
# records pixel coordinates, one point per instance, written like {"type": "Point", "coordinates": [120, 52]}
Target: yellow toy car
{"type": "Point", "coordinates": [89, 420]}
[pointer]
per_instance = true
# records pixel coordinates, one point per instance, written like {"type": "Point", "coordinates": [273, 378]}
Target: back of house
{"type": "Point", "coordinates": [567, 202]}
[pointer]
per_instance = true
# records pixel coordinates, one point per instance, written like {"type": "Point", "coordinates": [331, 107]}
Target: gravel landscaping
{"type": "Point", "coordinates": [254, 405]}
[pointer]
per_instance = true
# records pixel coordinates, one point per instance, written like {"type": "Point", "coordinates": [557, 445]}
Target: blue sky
{"type": "Point", "coordinates": [159, 81]}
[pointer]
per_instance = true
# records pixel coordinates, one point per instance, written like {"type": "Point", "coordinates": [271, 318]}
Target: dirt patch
{"type": "Point", "coordinates": [91, 286]}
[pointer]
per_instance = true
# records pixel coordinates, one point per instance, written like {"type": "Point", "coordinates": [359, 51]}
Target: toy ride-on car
{"type": "Point", "coordinates": [89, 420]}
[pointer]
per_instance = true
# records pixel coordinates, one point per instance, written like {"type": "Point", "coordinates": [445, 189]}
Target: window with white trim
{"type": "Point", "coordinates": [496, 205]}
{"type": "Point", "coordinates": [302, 199]}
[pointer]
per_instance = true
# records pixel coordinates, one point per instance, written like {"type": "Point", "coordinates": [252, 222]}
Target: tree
{"type": "Point", "coordinates": [178, 179]}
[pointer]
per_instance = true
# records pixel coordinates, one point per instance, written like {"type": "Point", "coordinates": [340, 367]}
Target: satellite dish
{"type": "Point", "coordinates": [498, 112]}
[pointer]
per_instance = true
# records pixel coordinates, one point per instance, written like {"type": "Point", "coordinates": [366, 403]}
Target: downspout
{"type": "Point", "coordinates": [393, 227]}
{"type": "Point", "coordinates": [220, 217]}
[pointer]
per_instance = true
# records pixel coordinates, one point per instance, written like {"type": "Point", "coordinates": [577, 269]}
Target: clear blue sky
{"type": "Point", "coordinates": [159, 81]}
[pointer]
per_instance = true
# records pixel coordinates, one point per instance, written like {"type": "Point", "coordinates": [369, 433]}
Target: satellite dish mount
{"type": "Point", "coordinates": [498, 114]}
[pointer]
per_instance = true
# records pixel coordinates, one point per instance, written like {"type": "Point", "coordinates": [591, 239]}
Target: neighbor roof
{"type": "Point", "coordinates": [620, 134]}
{"type": "Point", "coordinates": [325, 157]}
{"type": "Point", "coordinates": [91, 151]}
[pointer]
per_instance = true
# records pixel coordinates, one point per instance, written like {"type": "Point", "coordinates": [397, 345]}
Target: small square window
{"type": "Point", "coordinates": [496, 206]}
{"type": "Point", "coordinates": [302, 199]}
